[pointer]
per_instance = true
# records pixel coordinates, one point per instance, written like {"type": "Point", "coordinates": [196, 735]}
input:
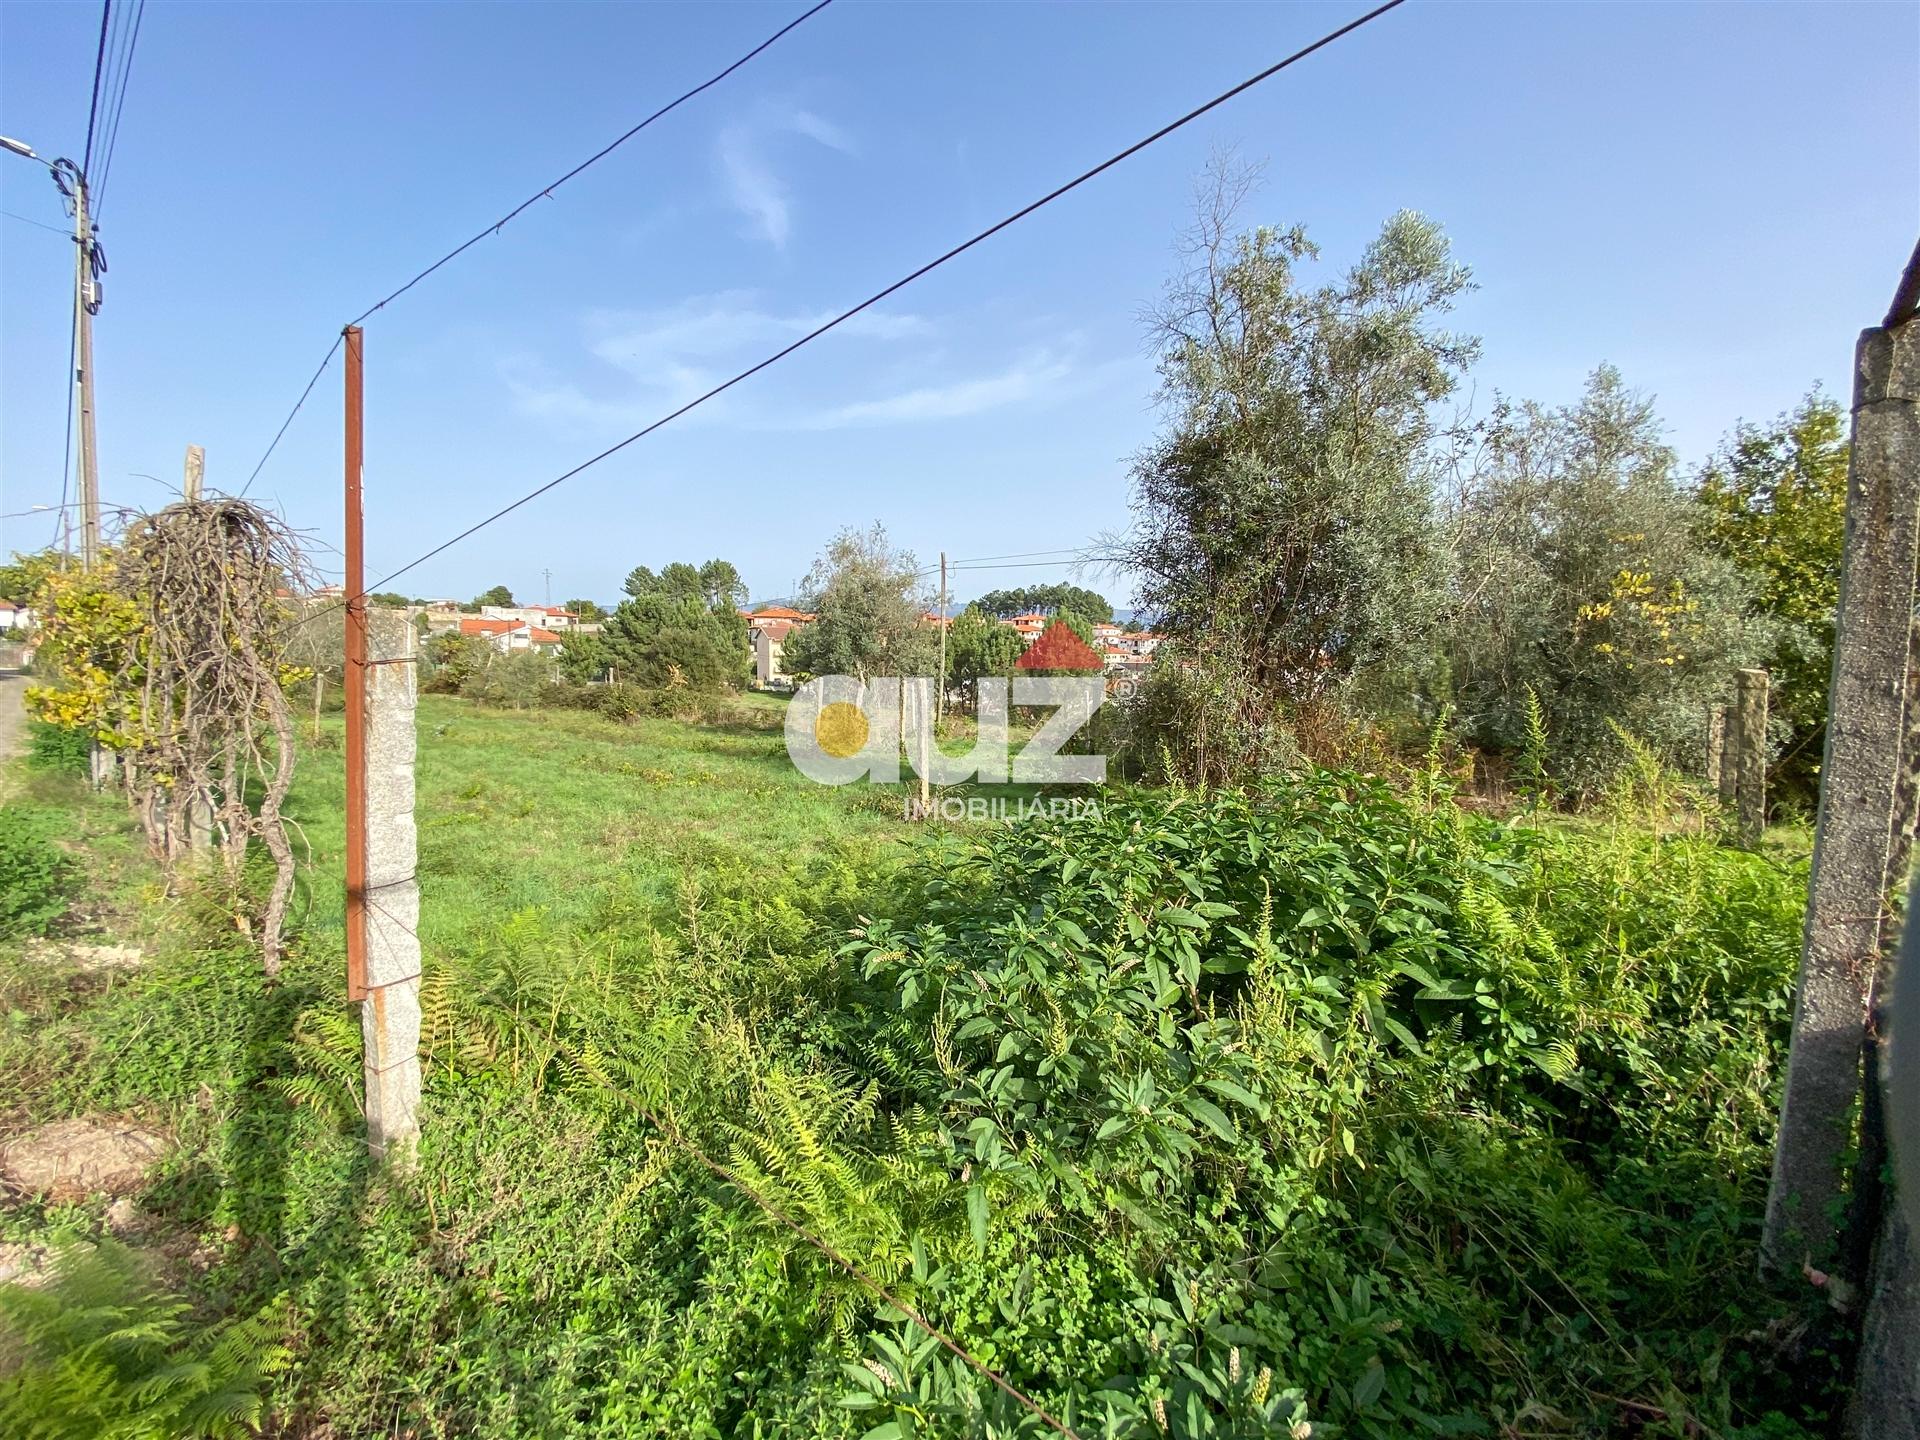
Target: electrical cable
{"type": "Point", "coordinates": [496, 226]}
{"type": "Point", "coordinates": [119, 106]}
{"type": "Point", "coordinates": [325, 361]}
{"type": "Point", "coordinates": [26, 220]}
{"type": "Point", "coordinates": [897, 285]}
{"type": "Point", "coordinates": [99, 62]}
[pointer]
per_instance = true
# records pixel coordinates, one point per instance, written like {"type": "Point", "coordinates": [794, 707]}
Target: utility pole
{"type": "Point", "coordinates": [548, 575]}
{"type": "Point", "coordinates": [86, 300]}
{"type": "Point", "coordinates": [356, 679]}
{"type": "Point", "coordinates": [88, 265]}
{"type": "Point", "coordinates": [196, 469]}
{"type": "Point", "coordinates": [940, 695]}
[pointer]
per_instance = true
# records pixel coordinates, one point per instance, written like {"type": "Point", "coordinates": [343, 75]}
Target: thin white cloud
{"type": "Point", "coordinates": [1033, 378]}
{"type": "Point", "coordinates": [751, 184]}
{"type": "Point", "coordinates": [664, 358]}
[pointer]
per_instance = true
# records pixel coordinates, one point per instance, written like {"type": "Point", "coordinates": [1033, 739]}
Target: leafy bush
{"type": "Point", "coordinates": [1208, 1115]}
{"type": "Point", "coordinates": [1413, 1120]}
{"type": "Point", "coordinates": [33, 872]}
{"type": "Point", "coordinates": [57, 748]}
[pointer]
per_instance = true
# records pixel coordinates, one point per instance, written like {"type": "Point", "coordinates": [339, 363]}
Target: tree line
{"type": "Point", "coordinates": [1328, 543]}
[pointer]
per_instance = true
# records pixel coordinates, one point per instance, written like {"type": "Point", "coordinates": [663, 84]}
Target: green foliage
{"type": "Point", "coordinates": [453, 661]}
{"type": "Point", "coordinates": [1312, 1084]}
{"type": "Point", "coordinates": [978, 644]}
{"type": "Point", "coordinates": [1583, 582]}
{"type": "Point", "coordinates": [102, 1354]}
{"type": "Point", "coordinates": [1045, 600]}
{"type": "Point", "coordinates": [680, 628]}
{"type": "Point", "coordinates": [1773, 502]}
{"type": "Point", "coordinates": [23, 578]}
{"type": "Point", "coordinates": [497, 595]}
{"type": "Point", "coordinates": [1530, 766]}
{"type": "Point", "coordinates": [1285, 516]}
{"type": "Point", "coordinates": [57, 748]}
{"type": "Point", "coordinates": [583, 658]}
{"type": "Point", "coordinates": [1211, 1114]}
{"type": "Point", "coordinates": [1198, 718]}
{"type": "Point", "coordinates": [514, 680]}
{"type": "Point", "coordinates": [34, 874]}
{"type": "Point", "coordinates": [870, 599]}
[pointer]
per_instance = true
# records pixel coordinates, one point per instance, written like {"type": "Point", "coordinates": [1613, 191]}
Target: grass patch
{"type": "Point", "coordinates": [1208, 1115]}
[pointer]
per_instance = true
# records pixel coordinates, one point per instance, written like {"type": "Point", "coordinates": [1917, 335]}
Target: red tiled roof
{"type": "Point", "coordinates": [472, 625]}
{"type": "Point", "coordinates": [1058, 648]}
{"type": "Point", "coordinates": [542, 637]}
{"type": "Point", "coordinates": [779, 612]}
{"type": "Point", "coordinates": [775, 629]}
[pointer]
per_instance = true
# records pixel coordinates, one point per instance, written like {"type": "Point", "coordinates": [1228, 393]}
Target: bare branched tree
{"type": "Point", "coordinates": [211, 578]}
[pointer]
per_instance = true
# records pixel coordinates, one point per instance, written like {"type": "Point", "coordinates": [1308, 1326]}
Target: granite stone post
{"type": "Point", "coordinates": [1858, 853]}
{"type": "Point", "coordinates": [390, 1015]}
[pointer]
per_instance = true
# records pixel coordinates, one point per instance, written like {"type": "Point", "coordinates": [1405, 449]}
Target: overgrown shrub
{"type": "Point", "coordinates": [57, 747]}
{"type": "Point", "coordinates": [34, 874]}
{"type": "Point", "coordinates": [1212, 1114]}
{"type": "Point", "coordinates": [1424, 1123]}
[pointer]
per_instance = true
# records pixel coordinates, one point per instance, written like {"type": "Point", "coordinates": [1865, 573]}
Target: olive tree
{"type": "Point", "coordinates": [1284, 519]}
{"type": "Point", "coordinates": [871, 603]}
{"type": "Point", "coordinates": [1584, 586]}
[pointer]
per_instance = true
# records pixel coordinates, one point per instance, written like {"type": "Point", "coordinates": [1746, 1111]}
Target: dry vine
{"type": "Point", "coordinates": [212, 718]}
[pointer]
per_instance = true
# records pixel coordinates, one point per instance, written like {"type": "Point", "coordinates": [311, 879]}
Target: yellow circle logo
{"type": "Point", "coordinates": [841, 730]}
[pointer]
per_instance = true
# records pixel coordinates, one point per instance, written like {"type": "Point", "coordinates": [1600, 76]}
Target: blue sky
{"type": "Point", "coordinates": [1716, 198]}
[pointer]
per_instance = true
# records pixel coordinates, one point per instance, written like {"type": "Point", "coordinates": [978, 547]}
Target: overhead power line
{"type": "Point", "coordinates": [1036, 564]}
{"type": "Point", "coordinates": [28, 220]}
{"type": "Point", "coordinates": [325, 360]}
{"type": "Point", "coordinates": [874, 299]}
{"type": "Point", "coordinates": [674, 104]}
{"type": "Point", "coordinates": [116, 41]}
{"type": "Point", "coordinates": [99, 64]}
{"type": "Point", "coordinates": [112, 127]}
{"type": "Point", "coordinates": [541, 194]}
{"type": "Point", "coordinates": [1021, 555]}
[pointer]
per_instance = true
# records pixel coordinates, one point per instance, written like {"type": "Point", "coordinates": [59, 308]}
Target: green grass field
{"type": "Point", "coordinates": [562, 811]}
{"type": "Point", "coordinates": [1333, 1106]}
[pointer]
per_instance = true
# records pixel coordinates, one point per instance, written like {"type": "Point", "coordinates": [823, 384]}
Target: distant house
{"type": "Point", "coordinates": [507, 636]}
{"type": "Point", "coordinates": [1029, 626]}
{"type": "Point", "coordinates": [15, 617]}
{"type": "Point", "coordinates": [547, 617]}
{"type": "Point", "coordinates": [767, 632]}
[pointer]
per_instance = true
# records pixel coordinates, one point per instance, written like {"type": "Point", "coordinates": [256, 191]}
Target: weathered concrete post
{"type": "Point", "coordinates": [390, 1015]}
{"type": "Point", "coordinates": [1858, 857]}
{"type": "Point", "coordinates": [1717, 750]}
{"type": "Point", "coordinates": [1750, 756]}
